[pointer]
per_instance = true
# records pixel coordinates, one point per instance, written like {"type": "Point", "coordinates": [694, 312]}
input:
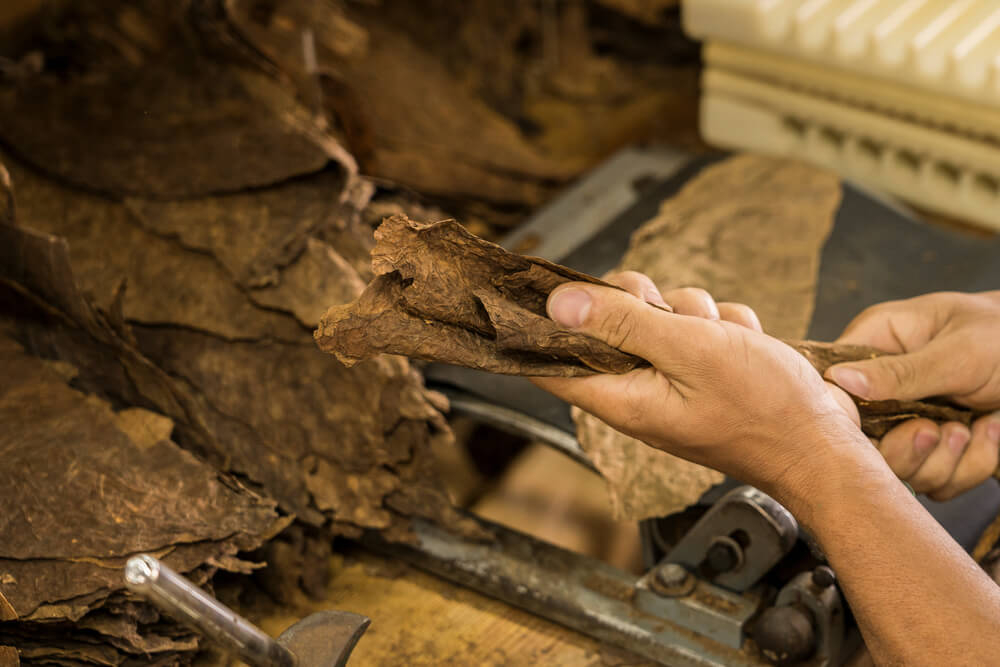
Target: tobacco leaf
{"type": "Point", "coordinates": [408, 116]}
{"type": "Point", "coordinates": [166, 283]}
{"type": "Point", "coordinates": [879, 417]}
{"type": "Point", "coordinates": [285, 409]}
{"type": "Point", "coordinates": [650, 12]}
{"type": "Point", "coordinates": [166, 122]}
{"type": "Point", "coordinates": [256, 233]}
{"type": "Point", "coordinates": [275, 243]}
{"type": "Point", "coordinates": [749, 229]}
{"type": "Point", "coordinates": [132, 495]}
{"type": "Point", "coordinates": [264, 409]}
{"type": "Point", "coordinates": [442, 294]}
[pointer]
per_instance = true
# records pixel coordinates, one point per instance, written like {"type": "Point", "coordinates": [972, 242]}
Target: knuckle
{"type": "Point", "coordinates": [633, 282]}
{"type": "Point", "coordinates": [697, 294]}
{"type": "Point", "coordinates": [702, 303]}
{"type": "Point", "coordinates": [742, 312]}
{"type": "Point", "coordinates": [636, 276]}
{"type": "Point", "coordinates": [945, 493]}
{"type": "Point", "coordinates": [932, 480]}
{"type": "Point", "coordinates": [875, 311]}
{"type": "Point", "coordinates": [618, 326]}
{"type": "Point", "coordinates": [614, 277]}
{"type": "Point", "coordinates": [900, 370]}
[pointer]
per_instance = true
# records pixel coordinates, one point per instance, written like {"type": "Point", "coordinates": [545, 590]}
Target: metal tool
{"type": "Point", "coordinates": [739, 539]}
{"type": "Point", "coordinates": [323, 639]}
{"type": "Point", "coordinates": [687, 622]}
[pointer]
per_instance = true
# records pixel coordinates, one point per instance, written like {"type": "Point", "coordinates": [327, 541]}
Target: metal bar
{"type": "Point", "coordinates": [573, 590]}
{"type": "Point", "coordinates": [187, 603]}
{"type": "Point", "coordinates": [518, 423]}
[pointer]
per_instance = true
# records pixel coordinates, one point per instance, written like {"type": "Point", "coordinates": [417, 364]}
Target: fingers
{"type": "Point", "coordinates": [638, 285]}
{"type": "Point", "coordinates": [874, 327]}
{"type": "Point", "coordinates": [979, 461]}
{"type": "Point", "coordinates": [943, 461]}
{"type": "Point", "coordinates": [940, 464]}
{"type": "Point", "coordinates": [624, 322]}
{"type": "Point", "coordinates": [898, 326]}
{"type": "Point", "coordinates": [692, 301]}
{"type": "Point", "coordinates": [906, 447]}
{"type": "Point", "coordinates": [741, 314]}
{"type": "Point", "coordinates": [926, 372]}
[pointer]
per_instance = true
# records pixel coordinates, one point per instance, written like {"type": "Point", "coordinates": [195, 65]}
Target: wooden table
{"type": "Point", "coordinates": [418, 619]}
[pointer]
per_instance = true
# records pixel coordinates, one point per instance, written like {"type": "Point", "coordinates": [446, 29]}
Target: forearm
{"type": "Point", "coordinates": [918, 597]}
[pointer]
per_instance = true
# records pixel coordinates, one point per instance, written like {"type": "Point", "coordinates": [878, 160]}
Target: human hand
{"type": "Point", "coordinates": [944, 344]}
{"type": "Point", "coordinates": [719, 393]}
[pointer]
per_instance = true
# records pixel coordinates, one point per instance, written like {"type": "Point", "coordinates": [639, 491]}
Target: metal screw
{"type": "Point", "coordinates": [672, 580]}
{"type": "Point", "coordinates": [672, 575]}
{"type": "Point", "coordinates": [823, 577]}
{"type": "Point", "coordinates": [724, 555]}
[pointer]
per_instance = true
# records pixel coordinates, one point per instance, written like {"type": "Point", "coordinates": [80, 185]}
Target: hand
{"type": "Point", "coordinates": [944, 344]}
{"type": "Point", "coordinates": [718, 393]}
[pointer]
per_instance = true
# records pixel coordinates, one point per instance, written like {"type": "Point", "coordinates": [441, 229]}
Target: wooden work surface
{"type": "Point", "coordinates": [418, 619]}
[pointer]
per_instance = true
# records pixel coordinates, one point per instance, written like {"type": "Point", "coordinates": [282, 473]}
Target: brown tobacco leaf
{"type": "Point", "coordinates": [749, 229]}
{"type": "Point", "coordinates": [174, 124]}
{"type": "Point", "coordinates": [267, 240]}
{"type": "Point", "coordinates": [251, 234]}
{"type": "Point", "coordinates": [406, 113]}
{"type": "Point", "coordinates": [166, 283]}
{"type": "Point", "coordinates": [132, 495]}
{"type": "Point", "coordinates": [442, 294]}
{"type": "Point", "coordinates": [269, 410]}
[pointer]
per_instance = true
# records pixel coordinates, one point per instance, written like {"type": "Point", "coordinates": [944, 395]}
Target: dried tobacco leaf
{"type": "Point", "coordinates": [174, 123]}
{"type": "Point", "coordinates": [268, 410]}
{"type": "Point", "coordinates": [130, 495]}
{"type": "Point", "coordinates": [879, 417]}
{"type": "Point", "coordinates": [295, 420]}
{"type": "Point", "coordinates": [408, 116]}
{"type": "Point", "coordinates": [442, 294]}
{"type": "Point", "coordinates": [254, 234]}
{"type": "Point", "coordinates": [268, 240]}
{"type": "Point", "coordinates": [166, 283]}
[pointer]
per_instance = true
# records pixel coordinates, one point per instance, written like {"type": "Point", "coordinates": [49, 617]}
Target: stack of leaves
{"type": "Point", "coordinates": [181, 222]}
{"type": "Point", "coordinates": [83, 488]}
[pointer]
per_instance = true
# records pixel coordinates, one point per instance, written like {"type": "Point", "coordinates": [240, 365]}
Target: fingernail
{"type": "Point", "coordinates": [852, 380]}
{"type": "Point", "coordinates": [569, 307]}
{"type": "Point", "coordinates": [957, 440]}
{"type": "Point", "coordinates": [993, 428]}
{"type": "Point", "coordinates": [652, 295]}
{"type": "Point", "coordinates": [924, 440]}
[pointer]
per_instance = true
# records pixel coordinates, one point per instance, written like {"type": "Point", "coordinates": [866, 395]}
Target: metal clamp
{"type": "Point", "coordinates": [738, 540]}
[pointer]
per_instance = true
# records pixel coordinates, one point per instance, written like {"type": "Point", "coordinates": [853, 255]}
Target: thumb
{"type": "Point", "coordinates": [901, 377]}
{"type": "Point", "coordinates": [624, 322]}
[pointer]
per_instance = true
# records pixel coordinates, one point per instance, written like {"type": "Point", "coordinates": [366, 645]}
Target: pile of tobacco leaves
{"type": "Point", "coordinates": [186, 186]}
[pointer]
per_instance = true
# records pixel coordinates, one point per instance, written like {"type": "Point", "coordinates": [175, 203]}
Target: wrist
{"type": "Point", "coordinates": [843, 467]}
